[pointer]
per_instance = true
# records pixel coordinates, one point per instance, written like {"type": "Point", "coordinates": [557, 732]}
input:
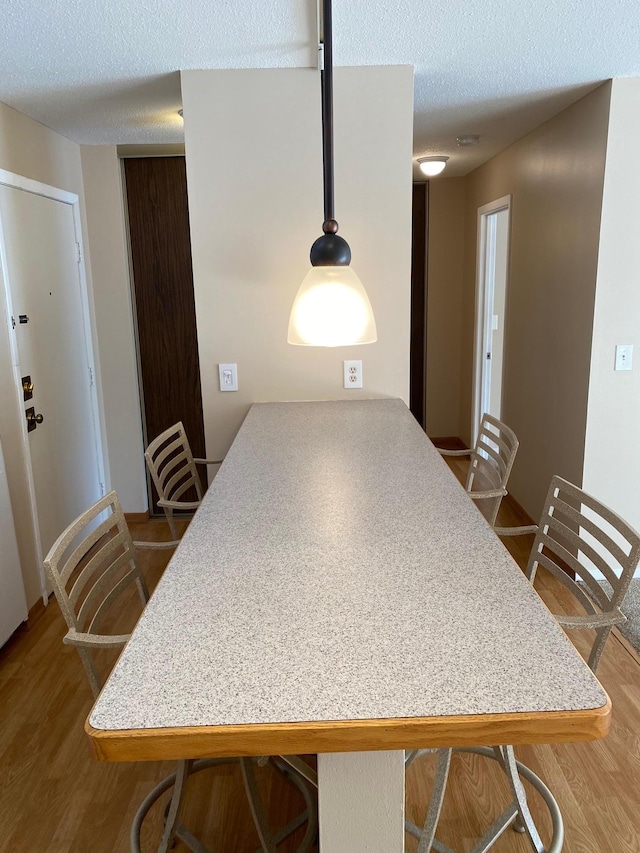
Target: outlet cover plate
{"type": "Point", "coordinates": [352, 374]}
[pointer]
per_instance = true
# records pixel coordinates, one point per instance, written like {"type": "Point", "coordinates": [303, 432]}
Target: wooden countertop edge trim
{"type": "Point", "coordinates": [349, 736]}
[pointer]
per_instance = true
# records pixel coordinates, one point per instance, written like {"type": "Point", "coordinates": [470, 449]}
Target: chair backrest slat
{"type": "Point", "coordinates": [579, 533]}
{"type": "Point", "coordinates": [165, 451]}
{"type": "Point", "coordinates": [576, 545]}
{"type": "Point", "coordinates": [499, 440]}
{"type": "Point", "coordinates": [181, 480]}
{"type": "Point", "coordinates": [560, 552]}
{"type": "Point", "coordinates": [178, 463]}
{"type": "Point", "coordinates": [580, 520]}
{"type": "Point", "coordinates": [491, 463]}
{"type": "Point", "coordinates": [103, 582]}
{"type": "Point", "coordinates": [585, 600]}
{"type": "Point", "coordinates": [84, 546]}
{"type": "Point", "coordinates": [102, 610]}
{"type": "Point", "coordinates": [171, 464]}
{"type": "Point", "coordinates": [484, 474]}
{"type": "Point", "coordinates": [95, 570]}
{"type": "Point", "coordinates": [97, 562]}
{"type": "Point", "coordinates": [173, 469]}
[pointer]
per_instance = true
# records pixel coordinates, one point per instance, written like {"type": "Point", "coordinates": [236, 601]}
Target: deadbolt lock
{"type": "Point", "coordinates": [32, 419]}
{"type": "Point", "coordinates": [27, 387]}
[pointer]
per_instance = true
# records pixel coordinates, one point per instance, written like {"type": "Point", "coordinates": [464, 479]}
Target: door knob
{"type": "Point", "coordinates": [32, 419]}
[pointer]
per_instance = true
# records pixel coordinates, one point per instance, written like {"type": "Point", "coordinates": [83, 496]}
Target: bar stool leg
{"type": "Point", "coordinates": [435, 804]}
{"type": "Point", "coordinates": [426, 836]}
{"type": "Point", "coordinates": [517, 813]}
{"type": "Point", "coordinates": [524, 821]}
{"type": "Point", "coordinates": [171, 820]}
{"type": "Point", "coordinates": [255, 804]}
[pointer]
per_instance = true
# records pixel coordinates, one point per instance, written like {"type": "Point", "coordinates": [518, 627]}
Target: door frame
{"type": "Point", "coordinates": [480, 319]}
{"type": "Point", "coordinates": [419, 303]}
{"type": "Point", "coordinates": [19, 182]}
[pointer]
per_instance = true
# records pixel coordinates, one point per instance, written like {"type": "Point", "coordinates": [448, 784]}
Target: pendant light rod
{"type": "Point", "coordinates": [331, 308]}
{"type": "Point", "coordinates": [326, 88]}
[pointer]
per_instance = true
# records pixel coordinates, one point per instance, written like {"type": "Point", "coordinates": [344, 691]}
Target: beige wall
{"type": "Point", "coordinates": [612, 463]}
{"type": "Point", "coordinates": [32, 150]}
{"type": "Point", "coordinates": [114, 323]}
{"type": "Point", "coordinates": [555, 175]}
{"type": "Point", "coordinates": [253, 150]}
{"type": "Point", "coordinates": [444, 304]}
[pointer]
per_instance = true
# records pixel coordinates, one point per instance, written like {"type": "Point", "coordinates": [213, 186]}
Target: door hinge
{"type": "Point", "coordinates": [103, 490]}
{"type": "Point", "coordinates": [91, 379]}
{"type": "Point", "coordinates": [13, 322]}
{"type": "Point", "coordinates": [79, 248]}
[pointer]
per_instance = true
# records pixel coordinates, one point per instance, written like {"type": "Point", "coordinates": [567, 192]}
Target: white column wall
{"type": "Point", "coordinates": [612, 460]}
{"type": "Point", "coordinates": [254, 171]}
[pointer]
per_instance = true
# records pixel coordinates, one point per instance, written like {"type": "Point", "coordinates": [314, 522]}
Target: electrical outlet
{"type": "Point", "coordinates": [352, 374]}
{"type": "Point", "coordinates": [228, 377]}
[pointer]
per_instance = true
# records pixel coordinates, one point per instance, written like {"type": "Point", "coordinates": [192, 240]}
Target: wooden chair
{"type": "Point", "coordinates": [173, 471]}
{"type": "Point", "coordinates": [578, 533]}
{"type": "Point", "coordinates": [90, 565]}
{"type": "Point", "coordinates": [490, 465]}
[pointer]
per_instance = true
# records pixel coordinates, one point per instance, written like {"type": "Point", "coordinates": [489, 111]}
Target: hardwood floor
{"type": "Point", "coordinates": [55, 797]}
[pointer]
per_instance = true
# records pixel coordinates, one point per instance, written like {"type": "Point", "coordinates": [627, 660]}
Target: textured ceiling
{"type": "Point", "coordinates": [102, 72]}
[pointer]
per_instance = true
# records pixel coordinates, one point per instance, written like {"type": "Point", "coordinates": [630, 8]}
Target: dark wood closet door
{"type": "Point", "coordinates": [418, 354]}
{"type": "Point", "coordinates": [163, 285]}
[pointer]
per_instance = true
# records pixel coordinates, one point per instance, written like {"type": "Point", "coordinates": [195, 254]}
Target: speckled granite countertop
{"type": "Point", "coordinates": [337, 571]}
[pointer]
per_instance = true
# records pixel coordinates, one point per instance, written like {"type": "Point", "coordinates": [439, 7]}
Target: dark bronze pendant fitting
{"type": "Point", "coordinates": [330, 250]}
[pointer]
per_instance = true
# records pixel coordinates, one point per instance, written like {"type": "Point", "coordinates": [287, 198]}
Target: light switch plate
{"type": "Point", "coordinates": [228, 377]}
{"type": "Point", "coordinates": [624, 356]}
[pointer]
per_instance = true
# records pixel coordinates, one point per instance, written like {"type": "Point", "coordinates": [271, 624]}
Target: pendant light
{"type": "Point", "coordinates": [331, 308]}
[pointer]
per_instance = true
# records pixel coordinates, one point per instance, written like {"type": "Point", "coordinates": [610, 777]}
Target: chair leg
{"type": "Point", "coordinates": [143, 590]}
{"type": "Point", "coordinates": [255, 804]}
{"type": "Point", "coordinates": [168, 511]}
{"type": "Point", "coordinates": [171, 820]}
{"type": "Point", "coordinates": [602, 636]}
{"type": "Point", "coordinates": [90, 669]}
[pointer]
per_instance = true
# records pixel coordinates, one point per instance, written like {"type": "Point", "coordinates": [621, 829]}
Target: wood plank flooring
{"type": "Point", "coordinates": [54, 797]}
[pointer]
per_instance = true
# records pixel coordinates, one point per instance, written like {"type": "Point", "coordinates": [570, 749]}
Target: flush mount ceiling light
{"type": "Point", "coordinates": [432, 166]}
{"type": "Point", "coordinates": [331, 308]}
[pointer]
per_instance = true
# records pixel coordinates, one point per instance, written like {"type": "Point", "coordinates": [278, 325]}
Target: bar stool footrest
{"type": "Point", "coordinates": [516, 814]}
{"type": "Point", "coordinates": [180, 831]}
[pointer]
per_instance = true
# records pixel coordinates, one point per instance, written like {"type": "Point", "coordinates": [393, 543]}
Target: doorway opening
{"type": "Point", "coordinates": [491, 300]}
{"type": "Point", "coordinates": [163, 301]}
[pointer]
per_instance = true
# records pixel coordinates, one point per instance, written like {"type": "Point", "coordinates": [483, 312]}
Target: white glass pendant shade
{"type": "Point", "coordinates": [331, 309]}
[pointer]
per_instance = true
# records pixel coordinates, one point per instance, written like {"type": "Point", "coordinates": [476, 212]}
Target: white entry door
{"type": "Point", "coordinates": [13, 605]}
{"type": "Point", "coordinates": [53, 348]}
